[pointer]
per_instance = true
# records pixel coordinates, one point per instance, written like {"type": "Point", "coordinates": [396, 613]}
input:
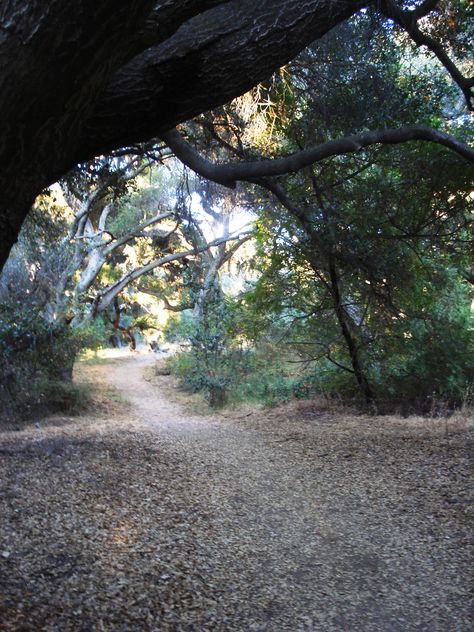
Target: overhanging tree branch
{"type": "Point", "coordinates": [229, 173]}
{"type": "Point", "coordinates": [106, 296]}
{"type": "Point", "coordinates": [124, 72]}
{"type": "Point", "coordinates": [214, 57]}
{"type": "Point", "coordinates": [424, 8]}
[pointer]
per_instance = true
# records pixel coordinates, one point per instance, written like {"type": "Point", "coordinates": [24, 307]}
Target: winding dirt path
{"type": "Point", "coordinates": [288, 520]}
{"type": "Point", "coordinates": [310, 539]}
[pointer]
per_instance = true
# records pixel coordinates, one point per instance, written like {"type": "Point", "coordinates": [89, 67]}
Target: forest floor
{"type": "Point", "coordinates": [149, 516]}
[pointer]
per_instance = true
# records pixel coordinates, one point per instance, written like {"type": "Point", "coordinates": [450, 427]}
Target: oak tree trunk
{"type": "Point", "coordinates": [82, 78]}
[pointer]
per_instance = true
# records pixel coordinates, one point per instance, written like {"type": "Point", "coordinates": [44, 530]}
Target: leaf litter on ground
{"type": "Point", "coordinates": [145, 517]}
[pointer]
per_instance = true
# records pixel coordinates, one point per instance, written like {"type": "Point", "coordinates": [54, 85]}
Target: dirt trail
{"type": "Point", "coordinates": [311, 551]}
{"type": "Point", "coordinates": [153, 407]}
{"type": "Point", "coordinates": [289, 520]}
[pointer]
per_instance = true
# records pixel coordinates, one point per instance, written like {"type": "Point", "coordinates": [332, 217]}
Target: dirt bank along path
{"type": "Point", "coordinates": [286, 520]}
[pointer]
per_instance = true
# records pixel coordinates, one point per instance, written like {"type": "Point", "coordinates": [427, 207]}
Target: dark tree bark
{"type": "Point", "coordinates": [351, 344]}
{"type": "Point", "coordinates": [83, 78]}
{"type": "Point", "coordinates": [229, 173]}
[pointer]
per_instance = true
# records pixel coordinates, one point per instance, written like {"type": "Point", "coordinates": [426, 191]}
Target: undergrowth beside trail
{"type": "Point", "coordinates": [87, 395]}
{"type": "Point", "coordinates": [265, 377]}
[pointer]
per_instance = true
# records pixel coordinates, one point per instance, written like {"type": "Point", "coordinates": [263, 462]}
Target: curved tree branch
{"type": "Point", "coordinates": [106, 296]}
{"type": "Point", "coordinates": [137, 232]}
{"type": "Point", "coordinates": [125, 71]}
{"type": "Point", "coordinates": [228, 174]}
{"type": "Point", "coordinates": [212, 58]}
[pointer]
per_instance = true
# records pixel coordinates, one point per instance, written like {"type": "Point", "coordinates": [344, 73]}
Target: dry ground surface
{"type": "Point", "coordinates": [148, 516]}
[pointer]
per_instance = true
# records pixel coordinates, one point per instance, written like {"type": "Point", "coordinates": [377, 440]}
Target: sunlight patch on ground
{"type": "Point", "coordinates": [110, 354]}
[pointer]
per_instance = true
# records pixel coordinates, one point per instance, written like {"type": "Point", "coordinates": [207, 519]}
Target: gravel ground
{"type": "Point", "coordinates": [149, 518]}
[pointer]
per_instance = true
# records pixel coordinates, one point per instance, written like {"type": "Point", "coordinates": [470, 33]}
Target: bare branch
{"type": "Point", "coordinates": [106, 296]}
{"type": "Point", "coordinates": [212, 58]}
{"type": "Point", "coordinates": [108, 208]}
{"type": "Point", "coordinates": [159, 295]}
{"type": "Point", "coordinates": [174, 308]}
{"type": "Point", "coordinates": [137, 232]}
{"type": "Point", "coordinates": [424, 8]}
{"type": "Point", "coordinates": [338, 364]}
{"type": "Point", "coordinates": [229, 173]}
{"type": "Point", "coordinates": [228, 254]}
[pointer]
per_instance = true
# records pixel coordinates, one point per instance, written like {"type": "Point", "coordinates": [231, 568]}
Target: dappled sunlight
{"type": "Point", "coordinates": [108, 354]}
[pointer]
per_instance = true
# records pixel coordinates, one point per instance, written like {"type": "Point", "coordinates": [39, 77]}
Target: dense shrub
{"type": "Point", "coordinates": [36, 362]}
{"type": "Point", "coordinates": [259, 375]}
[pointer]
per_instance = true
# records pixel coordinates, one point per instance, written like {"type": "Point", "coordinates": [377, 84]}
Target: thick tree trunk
{"type": "Point", "coordinates": [79, 79]}
{"type": "Point", "coordinates": [16, 198]}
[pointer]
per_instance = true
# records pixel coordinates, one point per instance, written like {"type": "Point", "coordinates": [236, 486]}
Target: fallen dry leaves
{"type": "Point", "coordinates": [284, 520]}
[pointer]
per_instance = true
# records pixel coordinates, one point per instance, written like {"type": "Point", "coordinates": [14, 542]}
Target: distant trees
{"type": "Point", "coordinates": [85, 250]}
{"type": "Point", "coordinates": [365, 257]}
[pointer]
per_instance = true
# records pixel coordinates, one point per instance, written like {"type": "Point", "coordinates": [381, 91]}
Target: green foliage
{"type": "Point", "coordinates": [148, 195]}
{"type": "Point", "coordinates": [431, 357]}
{"type": "Point", "coordinates": [375, 244]}
{"type": "Point", "coordinates": [36, 360]}
{"type": "Point", "coordinates": [265, 374]}
{"type": "Point", "coordinates": [223, 367]}
{"type": "Point", "coordinates": [210, 345]}
{"type": "Point", "coordinates": [179, 327]}
{"type": "Point", "coordinates": [360, 278]}
{"type": "Point", "coordinates": [182, 364]}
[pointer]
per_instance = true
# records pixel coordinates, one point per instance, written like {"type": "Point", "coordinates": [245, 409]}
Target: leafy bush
{"type": "Point", "coordinates": [260, 375]}
{"type": "Point", "coordinates": [436, 360]}
{"type": "Point", "coordinates": [206, 367]}
{"type": "Point", "coordinates": [181, 365]}
{"type": "Point", "coordinates": [36, 362]}
{"type": "Point", "coordinates": [209, 349]}
{"type": "Point", "coordinates": [179, 327]}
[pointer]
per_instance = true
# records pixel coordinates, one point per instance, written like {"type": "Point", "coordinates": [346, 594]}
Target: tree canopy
{"type": "Point", "coordinates": [84, 79]}
{"type": "Point", "coordinates": [354, 160]}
